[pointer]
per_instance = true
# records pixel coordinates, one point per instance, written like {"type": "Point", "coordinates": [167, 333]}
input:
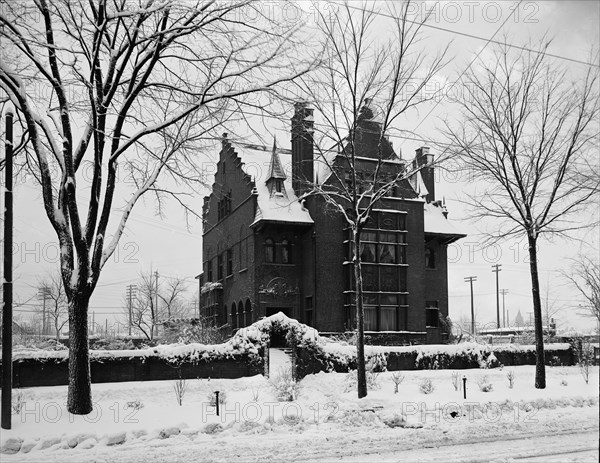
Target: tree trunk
{"type": "Point", "coordinates": [540, 367]}
{"type": "Point", "coordinates": [79, 401]}
{"type": "Point", "coordinates": [360, 320]}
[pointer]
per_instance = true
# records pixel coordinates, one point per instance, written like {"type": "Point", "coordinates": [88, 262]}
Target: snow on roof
{"type": "Point", "coordinates": [277, 208]}
{"type": "Point", "coordinates": [436, 223]}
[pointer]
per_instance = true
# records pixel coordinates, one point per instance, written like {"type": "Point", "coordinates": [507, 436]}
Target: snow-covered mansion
{"type": "Point", "coordinates": [264, 251]}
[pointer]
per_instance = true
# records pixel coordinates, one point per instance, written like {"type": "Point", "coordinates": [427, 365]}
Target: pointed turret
{"type": "Point", "coordinates": [276, 178]}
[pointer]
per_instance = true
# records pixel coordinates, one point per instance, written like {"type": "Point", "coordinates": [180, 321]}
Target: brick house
{"type": "Point", "coordinates": [265, 251]}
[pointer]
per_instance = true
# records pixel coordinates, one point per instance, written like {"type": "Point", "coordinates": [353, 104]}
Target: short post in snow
{"type": "Point", "coordinates": [217, 401]}
{"type": "Point", "coordinates": [464, 387]}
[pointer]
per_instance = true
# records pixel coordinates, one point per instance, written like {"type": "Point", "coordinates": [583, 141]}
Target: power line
{"type": "Point", "coordinates": [471, 63]}
{"type": "Point", "coordinates": [477, 37]}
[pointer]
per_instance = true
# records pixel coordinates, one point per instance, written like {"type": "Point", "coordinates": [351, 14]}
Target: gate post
{"type": "Point", "coordinates": [266, 360]}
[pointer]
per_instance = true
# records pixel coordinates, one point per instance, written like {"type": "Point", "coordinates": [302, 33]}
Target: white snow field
{"type": "Point", "coordinates": [324, 422]}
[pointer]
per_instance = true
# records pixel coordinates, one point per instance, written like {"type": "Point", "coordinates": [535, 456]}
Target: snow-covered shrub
{"type": "Point", "coordinates": [135, 404]}
{"type": "Point", "coordinates": [351, 380]}
{"type": "Point", "coordinates": [485, 385]}
{"type": "Point", "coordinates": [564, 382]}
{"type": "Point", "coordinates": [397, 378]}
{"type": "Point", "coordinates": [212, 398]}
{"type": "Point", "coordinates": [376, 363]}
{"type": "Point", "coordinates": [179, 387]}
{"type": "Point", "coordinates": [18, 402]}
{"type": "Point", "coordinates": [426, 386]}
{"type": "Point", "coordinates": [111, 344]}
{"type": "Point", "coordinates": [585, 358]}
{"type": "Point", "coordinates": [510, 375]}
{"type": "Point", "coordinates": [488, 362]}
{"type": "Point", "coordinates": [286, 388]}
{"type": "Point", "coordinates": [203, 332]}
{"type": "Point", "coordinates": [255, 395]}
{"type": "Point", "coordinates": [456, 380]}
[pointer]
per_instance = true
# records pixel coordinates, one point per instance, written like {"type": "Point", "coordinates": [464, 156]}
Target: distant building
{"type": "Point", "coordinates": [265, 250]}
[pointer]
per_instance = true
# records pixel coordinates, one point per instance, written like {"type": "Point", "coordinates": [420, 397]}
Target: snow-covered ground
{"type": "Point", "coordinates": [324, 423]}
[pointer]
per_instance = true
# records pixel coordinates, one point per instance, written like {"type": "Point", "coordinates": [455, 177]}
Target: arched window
{"type": "Point", "coordinates": [248, 312]}
{"type": "Point", "coordinates": [240, 315]}
{"type": "Point", "coordinates": [233, 317]}
{"type": "Point", "coordinates": [286, 252]}
{"type": "Point", "coordinates": [269, 250]}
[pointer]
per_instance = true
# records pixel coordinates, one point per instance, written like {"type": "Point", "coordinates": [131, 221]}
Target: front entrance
{"type": "Point", "coordinates": [278, 336]}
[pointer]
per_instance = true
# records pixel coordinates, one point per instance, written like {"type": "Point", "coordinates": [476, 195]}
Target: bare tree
{"type": "Point", "coordinates": [585, 276]}
{"type": "Point", "coordinates": [156, 300]}
{"type": "Point", "coordinates": [360, 91]}
{"type": "Point", "coordinates": [138, 85]}
{"type": "Point", "coordinates": [529, 135]}
{"type": "Point", "coordinates": [56, 308]}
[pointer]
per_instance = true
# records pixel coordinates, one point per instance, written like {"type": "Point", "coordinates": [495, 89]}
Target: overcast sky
{"type": "Point", "coordinates": [168, 246]}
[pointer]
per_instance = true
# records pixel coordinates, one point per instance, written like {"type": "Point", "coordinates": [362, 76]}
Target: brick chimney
{"type": "Point", "coordinates": [424, 162]}
{"type": "Point", "coordinates": [302, 147]}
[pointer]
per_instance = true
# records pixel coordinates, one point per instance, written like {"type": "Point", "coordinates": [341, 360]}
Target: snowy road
{"type": "Point", "coordinates": [572, 446]}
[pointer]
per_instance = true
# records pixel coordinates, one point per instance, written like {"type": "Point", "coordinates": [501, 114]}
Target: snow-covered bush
{"type": "Point", "coordinates": [485, 385]}
{"type": "Point", "coordinates": [255, 395]}
{"type": "Point", "coordinates": [397, 379]}
{"type": "Point", "coordinates": [286, 388]}
{"type": "Point", "coordinates": [18, 402]}
{"type": "Point", "coordinates": [585, 358]}
{"type": "Point", "coordinates": [135, 404]}
{"type": "Point", "coordinates": [212, 398]}
{"type": "Point", "coordinates": [456, 380]}
{"type": "Point", "coordinates": [179, 387]}
{"type": "Point", "coordinates": [351, 381]}
{"type": "Point", "coordinates": [426, 386]}
{"type": "Point", "coordinates": [510, 375]}
{"type": "Point", "coordinates": [564, 382]}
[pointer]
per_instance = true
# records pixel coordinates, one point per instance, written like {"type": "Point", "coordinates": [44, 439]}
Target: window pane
{"type": "Point", "coordinates": [401, 237]}
{"type": "Point", "coordinates": [367, 252]}
{"type": "Point", "coordinates": [389, 278]}
{"type": "Point", "coordinates": [402, 325]}
{"type": "Point", "coordinates": [432, 317]}
{"type": "Point", "coordinates": [370, 318]}
{"type": "Point", "coordinates": [402, 299]}
{"type": "Point", "coordinates": [369, 236]}
{"type": "Point", "coordinates": [401, 254]}
{"type": "Point", "coordinates": [389, 299]}
{"type": "Point", "coordinates": [403, 285]}
{"type": "Point", "coordinates": [387, 237]}
{"type": "Point", "coordinates": [387, 253]}
{"type": "Point", "coordinates": [388, 221]}
{"type": "Point", "coordinates": [388, 318]}
{"type": "Point", "coordinates": [370, 299]}
{"type": "Point", "coordinates": [269, 250]}
{"type": "Point", "coordinates": [370, 282]}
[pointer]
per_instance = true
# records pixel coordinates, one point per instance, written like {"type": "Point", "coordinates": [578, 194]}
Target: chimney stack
{"type": "Point", "coordinates": [302, 147]}
{"type": "Point", "coordinates": [424, 162]}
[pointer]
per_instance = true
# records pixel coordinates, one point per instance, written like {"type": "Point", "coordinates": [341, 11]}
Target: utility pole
{"type": "Point", "coordinates": [496, 269]}
{"type": "Point", "coordinates": [504, 292]}
{"type": "Point", "coordinates": [7, 284]}
{"type": "Point", "coordinates": [155, 314]}
{"type": "Point", "coordinates": [44, 293]}
{"type": "Point", "coordinates": [130, 293]}
{"type": "Point", "coordinates": [471, 280]}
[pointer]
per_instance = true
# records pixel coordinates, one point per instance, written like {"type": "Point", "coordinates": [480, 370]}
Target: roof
{"type": "Point", "coordinates": [275, 169]}
{"type": "Point", "coordinates": [437, 224]}
{"type": "Point", "coordinates": [257, 163]}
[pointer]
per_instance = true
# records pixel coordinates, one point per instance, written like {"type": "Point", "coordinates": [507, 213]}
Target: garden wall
{"type": "Point", "coordinates": [31, 372]}
{"type": "Point", "coordinates": [310, 361]}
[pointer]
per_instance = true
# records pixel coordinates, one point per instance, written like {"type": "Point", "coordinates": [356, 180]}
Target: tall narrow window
{"type": "Point", "coordinates": [248, 312]}
{"type": "Point", "coordinates": [234, 324]}
{"type": "Point", "coordinates": [209, 270]}
{"type": "Point", "coordinates": [220, 266]}
{"type": "Point", "coordinates": [229, 262]}
{"type": "Point", "coordinates": [269, 250]}
{"type": "Point", "coordinates": [429, 257]}
{"type": "Point", "coordinates": [286, 252]}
